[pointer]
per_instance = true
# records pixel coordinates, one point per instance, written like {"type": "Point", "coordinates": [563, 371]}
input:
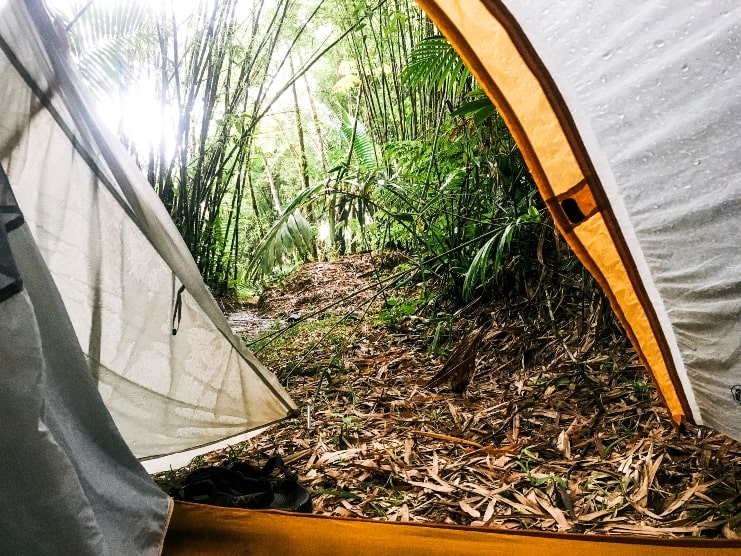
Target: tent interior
{"type": "Point", "coordinates": [116, 354]}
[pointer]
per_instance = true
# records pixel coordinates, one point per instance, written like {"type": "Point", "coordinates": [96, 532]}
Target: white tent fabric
{"type": "Point", "coordinates": [632, 112]}
{"type": "Point", "coordinates": [126, 277]}
{"type": "Point", "coordinates": [100, 301]}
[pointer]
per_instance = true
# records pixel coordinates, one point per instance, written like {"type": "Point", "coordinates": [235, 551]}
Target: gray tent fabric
{"type": "Point", "coordinates": [10, 219]}
{"type": "Point", "coordinates": [70, 483]}
{"type": "Point", "coordinates": [113, 350]}
{"type": "Point", "coordinates": [120, 265]}
{"type": "Point", "coordinates": [657, 103]}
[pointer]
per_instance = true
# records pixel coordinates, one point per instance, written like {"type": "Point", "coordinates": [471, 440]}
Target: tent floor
{"type": "Point", "coordinates": [199, 529]}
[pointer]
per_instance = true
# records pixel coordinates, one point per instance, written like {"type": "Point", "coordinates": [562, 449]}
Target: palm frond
{"type": "Point", "coordinates": [108, 40]}
{"type": "Point", "coordinates": [482, 269]}
{"type": "Point", "coordinates": [291, 232]}
{"type": "Point", "coordinates": [479, 109]}
{"type": "Point", "coordinates": [362, 144]}
{"type": "Point", "coordinates": [478, 268]}
{"type": "Point", "coordinates": [433, 60]}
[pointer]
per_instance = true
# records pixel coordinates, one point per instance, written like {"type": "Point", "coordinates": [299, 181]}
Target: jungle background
{"type": "Point", "coordinates": [361, 211]}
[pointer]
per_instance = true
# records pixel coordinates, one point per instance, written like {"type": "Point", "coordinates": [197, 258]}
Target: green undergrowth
{"type": "Point", "coordinates": [308, 347]}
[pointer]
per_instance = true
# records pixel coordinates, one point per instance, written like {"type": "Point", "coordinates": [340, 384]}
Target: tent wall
{"type": "Point", "coordinates": [627, 114]}
{"type": "Point", "coordinates": [70, 484]}
{"type": "Point", "coordinates": [123, 271]}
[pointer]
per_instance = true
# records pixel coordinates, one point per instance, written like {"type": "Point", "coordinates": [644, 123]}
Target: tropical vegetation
{"type": "Point", "coordinates": [297, 130]}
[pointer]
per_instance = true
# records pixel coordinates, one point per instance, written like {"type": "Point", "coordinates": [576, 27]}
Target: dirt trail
{"type": "Point", "coordinates": [317, 285]}
{"type": "Point", "coordinates": [246, 322]}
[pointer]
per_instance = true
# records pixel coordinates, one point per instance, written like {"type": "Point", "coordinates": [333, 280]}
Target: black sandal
{"type": "Point", "coordinates": [242, 485]}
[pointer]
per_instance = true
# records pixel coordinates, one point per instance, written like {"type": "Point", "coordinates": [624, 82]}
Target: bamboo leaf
{"type": "Point", "coordinates": [477, 270]}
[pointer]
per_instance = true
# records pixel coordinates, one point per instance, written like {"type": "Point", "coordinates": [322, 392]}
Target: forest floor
{"type": "Point", "coordinates": [559, 429]}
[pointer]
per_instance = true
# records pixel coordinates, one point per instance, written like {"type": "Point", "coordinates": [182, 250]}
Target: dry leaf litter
{"type": "Point", "coordinates": [556, 428]}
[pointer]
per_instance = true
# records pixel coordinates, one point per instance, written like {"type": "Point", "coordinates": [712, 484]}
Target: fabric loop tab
{"type": "Point", "coordinates": [178, 311]}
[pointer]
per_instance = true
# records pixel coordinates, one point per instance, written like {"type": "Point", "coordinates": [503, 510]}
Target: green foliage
{"type": "Point", "coordinates": [434, 61]}
{"type": "Point", "coordinates": [482, 269]}
{"type": "Point", "coordinates": [111, 40]}
{"type": "Point", "coordinates": [379, 50]}
{"type": "Point", "coordinates": [358, 142]}
{"type": "Point", "coordinates": [349, 427]}
{"type": "Point", "coordinates": [478, 107]}
{"type": "Point", "coordinates": [409, 153]}
{"type": "Point", "coordinates": [462, 200]}
{"type": "Point", "coordinates": [289, 235]}
{"type": "Point", "coordinates": [526, 458]}
{"type": "Point", "coordinates": [477, 217]}
{"type": "Point", "coordinates": [398, 309]}
{"type": "Point", "coordinates": [640, 389]}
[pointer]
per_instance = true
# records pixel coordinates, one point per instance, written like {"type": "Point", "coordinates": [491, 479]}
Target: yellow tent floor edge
{"type": "Point", "coordinates": [199, 529]}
